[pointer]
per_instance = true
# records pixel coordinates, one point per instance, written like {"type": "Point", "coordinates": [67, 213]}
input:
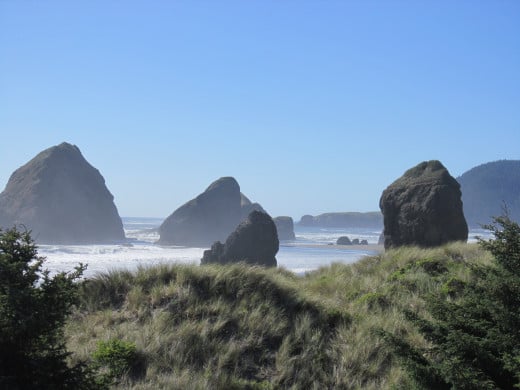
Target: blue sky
{"type": "Point", "coordinates": [313, 106]}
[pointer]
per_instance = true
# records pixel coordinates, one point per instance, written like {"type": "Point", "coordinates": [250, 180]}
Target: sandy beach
{"type": "Point", "coordinates": [376, 248]}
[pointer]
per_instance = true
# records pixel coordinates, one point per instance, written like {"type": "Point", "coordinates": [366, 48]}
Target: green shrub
{"type": "Point", "coordinates": [475, 341]}
{"type": "Point", "coordinates": [116, 356]}
{"type": "Point", "coordinates": [33, 310]}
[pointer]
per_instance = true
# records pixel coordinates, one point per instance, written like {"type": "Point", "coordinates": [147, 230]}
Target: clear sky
{"type": "Point", "coordinates": [313, 106]}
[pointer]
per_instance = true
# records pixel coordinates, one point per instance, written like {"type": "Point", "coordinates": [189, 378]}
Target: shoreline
{"type": "Point", "coordinates": [376, 248]}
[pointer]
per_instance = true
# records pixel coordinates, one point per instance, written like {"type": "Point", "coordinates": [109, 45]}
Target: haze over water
{"type": "Point", "coordinates": [309, 251]}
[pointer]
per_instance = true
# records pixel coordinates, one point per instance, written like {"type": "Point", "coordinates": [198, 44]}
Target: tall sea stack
{"type": "Point", "coordinates": [210, 217]}
{"type": "Point", "coordinates": [424, 208]}
{"type": "Point", "coordinates": [62, 199]}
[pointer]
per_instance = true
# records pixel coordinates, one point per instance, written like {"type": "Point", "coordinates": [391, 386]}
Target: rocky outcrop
{"type": "Point", "coordinates": [370, 220]}
{"type": "Point", "coordinates": [424, 208]}
{"type": "Point", "coordinates": [62, 199]}
{"type": "Point", "coordinates": [255, 242]}
{"type": "Point", "coordinates": [343, 240]}
{"type": "Point", "coordinates": [285, 228]}
{"type": "Point", "coordinates": [247, 206]}
{"type": "Point", "coordinates": [210, 217]}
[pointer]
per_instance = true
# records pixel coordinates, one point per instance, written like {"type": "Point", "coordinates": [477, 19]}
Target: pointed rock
{"type": "Point", "coordinates": [62, 199]}
{"type": "Point", "coordinates": [209, 217]}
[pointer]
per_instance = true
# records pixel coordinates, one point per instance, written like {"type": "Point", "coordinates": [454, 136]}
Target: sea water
{"type": "Point", "coordinates": [312, 248]}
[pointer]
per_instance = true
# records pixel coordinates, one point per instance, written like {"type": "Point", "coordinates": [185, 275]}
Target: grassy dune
{"type": "Point", "coordinates": [252, 328]}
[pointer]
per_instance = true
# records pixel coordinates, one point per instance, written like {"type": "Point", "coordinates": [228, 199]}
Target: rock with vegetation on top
{"type": "Point", "coordinates": [285, 228]}
{"type": "Point", "coordinates": [62, 199]}
{"type": "Point", "coordinates": [424, 208]}
{"type": "Point", "coordinates": [343, 240]}
{"type": "Point", "coordinates": [255, 242]}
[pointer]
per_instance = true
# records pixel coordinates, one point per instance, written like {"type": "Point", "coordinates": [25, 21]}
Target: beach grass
{"type": "Point", "coordinates": [242, 327]}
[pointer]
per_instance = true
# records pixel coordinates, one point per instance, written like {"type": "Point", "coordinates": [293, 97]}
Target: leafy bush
{"type": "Point", "coordinates": [116, 355]}
{"type": "Point", "coordinates": [33, 310]}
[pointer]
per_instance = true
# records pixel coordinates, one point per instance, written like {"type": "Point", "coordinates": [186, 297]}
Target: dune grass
{"type": "Point", "coordinates": [241, 327]}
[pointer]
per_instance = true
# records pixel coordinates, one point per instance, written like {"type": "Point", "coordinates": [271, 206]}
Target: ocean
{"type": "Point", "coordinates": [310, 250]}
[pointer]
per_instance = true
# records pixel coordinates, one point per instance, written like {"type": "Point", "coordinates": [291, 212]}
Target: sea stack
{"type": "Point", "coordinates": [285, 228]}
{"type": "Point", "coordinates": [254, 241]}
{"type": "Point", "coordinates": [424, 208]}
{"type": "Point", "coordinates": [210, 217]}
{"type": "Point", "coordinates": [62, 199]}
{"type": "Point", "coordinates": [246, 207]}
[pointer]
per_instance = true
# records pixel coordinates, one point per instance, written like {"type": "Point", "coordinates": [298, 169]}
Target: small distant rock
{"type": "Point", "coordinates": [307, 220]}
{"type": "Point", "coordinates": [355, 241]}
{"type": "Point", "coordinates": [255, 241]}
{"type": "Point", "coordinates": [285, 228]}
{"type": "Point", "coordinates": [363, 242]}
{"type": "Point", "coordinates": [424, 208]}
{"type": "Point", "coordinates": [343, 240]}
{"type": "Point", "coordinates": [350, 219]}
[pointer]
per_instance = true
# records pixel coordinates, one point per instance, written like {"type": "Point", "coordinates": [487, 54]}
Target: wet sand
{"type": "Point", "coordinates": [376, 248]}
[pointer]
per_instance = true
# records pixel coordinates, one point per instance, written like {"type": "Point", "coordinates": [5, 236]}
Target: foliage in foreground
{"type": "Point", "coordinates": [474, 341]}
{"type": "Point", "coordinates": [240, 327]}
{"type": "Point", "coordinates": [33, 311]}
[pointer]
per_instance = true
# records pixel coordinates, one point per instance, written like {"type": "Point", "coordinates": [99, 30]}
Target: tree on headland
{"type": "Point", "coordinates": [475, 340]}
{"type": "Point", "coordinates": [33, 310]}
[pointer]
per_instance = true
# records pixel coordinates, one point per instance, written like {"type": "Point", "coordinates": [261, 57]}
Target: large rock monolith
{"type": "Point", "coordinates": [62, 199]}
{"type": "Point", "coordinates": [255, 241]}
{"type": "Point", "coordinates": [424, 208]}
{"type": "Point", "coordinates": [210, 217]}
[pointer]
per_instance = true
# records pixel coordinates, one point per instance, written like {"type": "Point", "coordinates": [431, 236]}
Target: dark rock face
{"type": "Point", "coordinates": [424, 208]}
{"type": "Point", "coordinates": [255, 242]}
{"type": "Point", "coordinates": [62, 199]}
{"type": "Point", "coordinates": [210, 217]}
{"type": "Point", "coordinates": [285, 228]}
{"type": "Point", "coordinates": [343, 240]}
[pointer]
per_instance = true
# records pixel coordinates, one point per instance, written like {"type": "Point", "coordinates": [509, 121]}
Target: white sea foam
{"type": "Point", "coordinates": [141, 250]}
